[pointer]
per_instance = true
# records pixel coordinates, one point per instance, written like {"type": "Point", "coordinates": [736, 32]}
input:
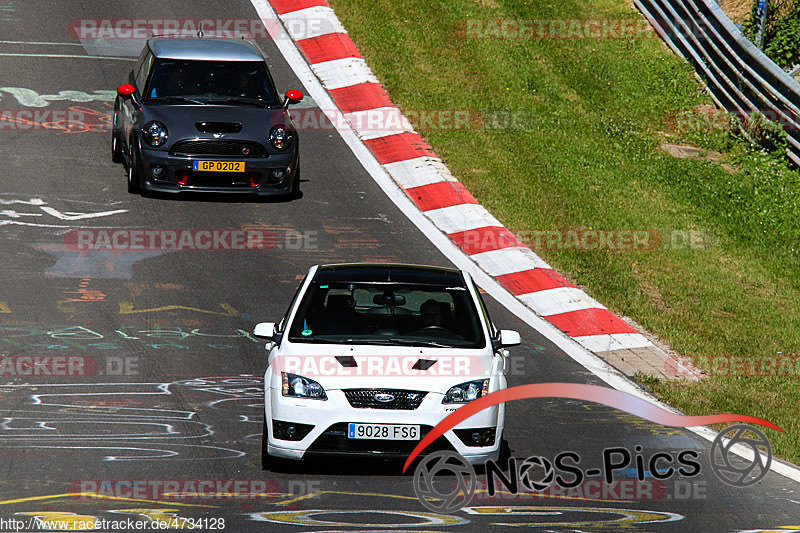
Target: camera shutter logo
{"type": "Point", "coordinates": [525, 473]}
{"type": "Point", "coordinates": [744, 472]}
{"type": "Point", "coordinates": [462, 475]}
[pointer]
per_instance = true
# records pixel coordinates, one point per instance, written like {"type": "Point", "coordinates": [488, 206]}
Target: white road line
{"type": "Point", "coordinates": [578, 353]}
{"type": "Point", "coordinates": [41, 42]}
{"type": "Point", "coordinates": [70, 56]}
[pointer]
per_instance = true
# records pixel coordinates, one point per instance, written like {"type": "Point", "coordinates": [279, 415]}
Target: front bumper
{"type": "Point", "coordinates": [180, 167]}
{"type": "Point", "coordinates": [329, 419]}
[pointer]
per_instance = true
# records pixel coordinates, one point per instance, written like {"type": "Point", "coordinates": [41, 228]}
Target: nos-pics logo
{"type": "Point", "coordinates": [457, 480]}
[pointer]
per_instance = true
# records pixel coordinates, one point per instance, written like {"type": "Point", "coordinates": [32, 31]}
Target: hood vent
{"type": "Point", "coordinates": [423, 364]}
{"type": "Point", "coordinates": [347, 361]}
{"type": "Point", "coordinates": [218, 127]}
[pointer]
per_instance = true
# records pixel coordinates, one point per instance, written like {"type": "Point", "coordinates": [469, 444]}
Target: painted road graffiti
{"type": "Point", "coordinates": [503, 515]}
{"type": "Point", "coordinates": [7, 10]}
{"type": "Point", "coordinates": [72, 338]}
{"type": "Point", "coordinates": [31, 98]}
{"type": "Point", "coordinates": [166, 516]}
{"type": "Point", "coordinates": [36, 212]}
{"type": "Point", "coordinates": [75, 119]}
{"type": "Point", "coordinates": [326, 511]}
{"type": "Point", "coordinates": [97, 264]}
{"type": "Point", "coordinates": [126, 422]}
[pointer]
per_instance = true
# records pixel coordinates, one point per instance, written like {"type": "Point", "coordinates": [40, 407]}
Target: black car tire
{"type": "Point", "coordinates": [133, 172]}
{"type": "Point", "coordinates": [116, 142]}
{"type": "Point", "coordinates": [295, 191]}
{"type": "Point", "coordinates": [116, 151]}
{"type": "Point", "coordinates": [266, 460]}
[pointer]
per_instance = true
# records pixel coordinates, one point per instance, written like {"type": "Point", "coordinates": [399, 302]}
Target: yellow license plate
{"type": "Point", "coordinates": [219, 166]}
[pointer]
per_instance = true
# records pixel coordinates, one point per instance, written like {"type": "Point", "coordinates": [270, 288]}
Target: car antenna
{"type": "Point", "coordinates": [200, 33]}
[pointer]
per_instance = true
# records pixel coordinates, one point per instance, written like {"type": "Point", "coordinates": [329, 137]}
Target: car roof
{"type": "Point", "coordinates": [390, 273]}
{"type": "Point", "coordinates": [204, 49]}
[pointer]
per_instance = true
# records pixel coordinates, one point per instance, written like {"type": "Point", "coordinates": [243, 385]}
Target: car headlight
{"type": "Point", "coordinates": [466, 392]}
{"type": "Point", "coordinates": [300, 387]}
{"type": "Point", "coordinates": [280, 137]}
{"type": "Point", "coordinates": [155, 133]}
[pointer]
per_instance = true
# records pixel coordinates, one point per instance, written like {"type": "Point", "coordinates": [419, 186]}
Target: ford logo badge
{"type": "Point", "coordinates": [384, 398]}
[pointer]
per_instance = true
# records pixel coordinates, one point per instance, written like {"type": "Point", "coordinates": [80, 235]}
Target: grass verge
{"type": "Point", "coordinates": [589, 156]}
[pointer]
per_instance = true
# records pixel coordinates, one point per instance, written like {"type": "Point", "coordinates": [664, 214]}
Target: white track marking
{"type": "Point", "coordinates": [614, 341]}
{"type": "Point", "coordinates": [559, 300]}
{"type": "Point", "coordinates": [419, 171]}
{"type": "Point", "coordinates": [462, 217]}
{"type": "Point", "coordinates": [41, 43]}
{"type": "Point", "coordinates": [309, 22]}
{"type": "Point", "coordinates": [83, 216]}
{"type": "Point", "coordinates": [344, 72]}
{"type": "Point", "coordinates": [69, 56]}
{"type": "Point", "coordinates": [508, 261]}
{"type": "Point", "coordinates": [379, 122]}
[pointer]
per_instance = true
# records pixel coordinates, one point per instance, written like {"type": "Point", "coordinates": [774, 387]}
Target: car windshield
{"type": "Point", "coordinates": [388, 313]}
{"type": "Point", "coordinates": [205, 81]}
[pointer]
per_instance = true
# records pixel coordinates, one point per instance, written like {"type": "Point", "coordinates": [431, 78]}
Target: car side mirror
{"type": "Point", "coordinates": [126, 90]}
{"type": "Point", "coordinates": [265, 330]}
{"type": "Point", "coordinates": [292, 97]}
{"type": "Point", "coordinates": [507, 338]}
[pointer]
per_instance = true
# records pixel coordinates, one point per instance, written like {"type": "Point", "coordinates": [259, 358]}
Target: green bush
{"type": "Point", "coordinates": [782, 32]}
{"type": "Point", "coordinates": [783, 46]}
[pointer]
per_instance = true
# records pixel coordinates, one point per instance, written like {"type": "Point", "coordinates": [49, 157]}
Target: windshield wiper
{"type": "Point", "coordinates": [317, 340]}
{"type": "Point", "coordinates": [409, 342]}
{"type": "Point", "coordinates": [238, 100]}
{"type": "Point", "coordinates": [179, 99]}
{"type": "Point", "coordinates": [377, 342]}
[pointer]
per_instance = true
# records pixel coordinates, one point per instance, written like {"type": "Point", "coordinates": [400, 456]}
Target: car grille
{"type": "Point", "coordinates": [211, 179]}
{"type": "Point", "coordinates": [334, 441]}
{"type": "Point", "coordinates": [403, 399]}
{"type": "Point", "coordinates": [219, 148]}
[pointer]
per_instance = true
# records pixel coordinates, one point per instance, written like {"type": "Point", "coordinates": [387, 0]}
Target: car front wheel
{"type": "Point", "coordinates": [295, 189]}
{"type": "Point", "coordinates": [116, 144]}
{"type": "Point", "coordinates": [133, 172]}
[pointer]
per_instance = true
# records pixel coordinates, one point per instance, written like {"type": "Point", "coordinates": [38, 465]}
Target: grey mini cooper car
{"type": "Point", "coordinates": [204, 115]}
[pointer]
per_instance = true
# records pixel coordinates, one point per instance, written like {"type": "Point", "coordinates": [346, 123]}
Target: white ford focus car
{"type": "Point", "coordinates": [370, 357]}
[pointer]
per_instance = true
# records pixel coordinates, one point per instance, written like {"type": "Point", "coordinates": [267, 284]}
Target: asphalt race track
{"type": "Point", "coordinates": [146, 401]}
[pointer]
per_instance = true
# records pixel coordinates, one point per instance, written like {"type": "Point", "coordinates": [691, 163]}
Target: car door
{"type": "Point", "coordinates": [129, 110]}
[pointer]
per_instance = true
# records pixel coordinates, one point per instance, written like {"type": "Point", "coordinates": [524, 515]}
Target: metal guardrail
{"type": "Point", "coordinates": [738, 75]}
